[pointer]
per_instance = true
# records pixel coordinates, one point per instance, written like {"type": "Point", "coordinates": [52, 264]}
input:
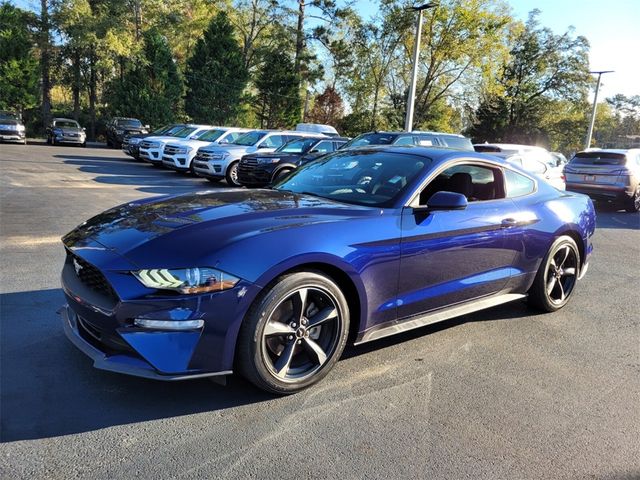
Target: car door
{"type": "Point", "coordinates": [453, 256]}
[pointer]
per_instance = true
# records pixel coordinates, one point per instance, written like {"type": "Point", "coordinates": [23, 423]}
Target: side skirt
{"type": "Point", "coordinates": [441, 315]}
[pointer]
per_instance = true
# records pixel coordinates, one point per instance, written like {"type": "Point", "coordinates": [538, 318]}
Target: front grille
{"type": "Point", "coordinates": [171, 149]}
{"type": "Point", "coordinates": [146, 144]}
{"type": "Point", "coordinates": [91, 276]}
{"type": "Point", "coordinates": [204, 155]}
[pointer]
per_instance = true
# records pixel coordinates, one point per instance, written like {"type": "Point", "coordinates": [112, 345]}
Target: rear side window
{"type": "Point", "coordinates": [324, 147]}
{"type": "Point", "coordinates": [404, 141]}
{"type": "Point", "coordinates": [274, 141]}
{"type": "Point", "coordinates": [460, 143]}
{"type": "Point", "coordinates": [599, 158]}
{"type": "Point", "coordinates": [517, 184]}
{"type": "Point", "coordinates": [476, 182]}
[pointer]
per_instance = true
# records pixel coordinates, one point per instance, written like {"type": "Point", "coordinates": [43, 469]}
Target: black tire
{"type": "Point", "coordinates": [231, 176]}
{"type": "Point", "coordinates": [282, 354]}
{"type": "Point", "coordinates": [557, 276]}
{"type": "Point", "coordinates": [633, 205]}
{"type": "Point", "coordinates": [213, 180]}
{"type": "Point", "coordinates": [84, 144]}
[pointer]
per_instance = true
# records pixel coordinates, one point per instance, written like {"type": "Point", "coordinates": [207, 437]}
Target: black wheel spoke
{"type": "Point", "coordinates": [322, 316]}
{"type": "Point", "coordinates": [284, 361]}
{"type": "Point", "coordinates": [315, 351]}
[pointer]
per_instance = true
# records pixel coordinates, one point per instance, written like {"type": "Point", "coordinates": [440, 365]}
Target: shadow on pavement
{"type": "Point", "coordinates": [49, 388]}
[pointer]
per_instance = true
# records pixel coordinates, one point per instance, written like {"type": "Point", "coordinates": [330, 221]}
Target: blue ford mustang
{"type": "Point", "coordinates": [354, 247]}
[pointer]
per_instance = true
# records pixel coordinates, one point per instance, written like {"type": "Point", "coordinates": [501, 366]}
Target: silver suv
{"type": "Point", "coordinates": [607, 175]}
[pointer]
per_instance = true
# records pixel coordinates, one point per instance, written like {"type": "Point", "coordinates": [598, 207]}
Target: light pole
{"type": "Point", "coordinates": [593, 110]}
{"type": "Point", "coordinates": [408, 122]}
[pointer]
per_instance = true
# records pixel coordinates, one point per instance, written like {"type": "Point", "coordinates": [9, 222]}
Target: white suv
{"type": "Point", "coordinates": [179, 154]}
{"type": "Point", "coordinates": [218, 162]}
{"type": "Point", "coordinates": [151, 148]}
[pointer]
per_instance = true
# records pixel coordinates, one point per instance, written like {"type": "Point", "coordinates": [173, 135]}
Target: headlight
{"type": "Point", "coordinates": [183, 150]}
{"type": "Point", "coordinates": [134, 141]}
{"type": "Point", "coordinates": [187, 280]}
{"type": "Point", "coordinates": [20, 128]}
{"type": "Point", "coordinates": [263, 161]}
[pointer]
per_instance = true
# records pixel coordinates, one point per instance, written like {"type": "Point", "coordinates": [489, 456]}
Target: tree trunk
{"type": "Point", "coordinates": [45, 61]}
{"type": "Point", "coordinates": [375, 109]}
{"type": "Point", "coordinates": [77, 85]}
{"type": "Point", "coordinates": [92, 94]}
{"type": "Point", "coordinates": [299, 40]}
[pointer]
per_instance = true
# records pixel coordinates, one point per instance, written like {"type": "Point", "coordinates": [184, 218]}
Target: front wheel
{"type": "Point", "coordinates": [633, 205]}
{"type": "Point", "coordinates": [232, 175]}
{"type": "Point", "coordinates": [557, 276]}
{"type": "Point", "coordinates": [294, 333]}
{"type": "Point", "coordinates": [281, 174]}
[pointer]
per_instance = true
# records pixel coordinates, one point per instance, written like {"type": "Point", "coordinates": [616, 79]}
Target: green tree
{"type": "Point", "coordinates": [542, 68]}
{"type": "Point", "coordinates": [216, 75]}
{"type": "Point", "coordinates": [278, 99]}
{"type": "Point", "coordinates": [19, 70]}
{"type": "Point", "coordinates": [150, 90]}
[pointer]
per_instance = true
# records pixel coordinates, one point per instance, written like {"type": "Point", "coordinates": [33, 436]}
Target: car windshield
{"type": "Point", "coordinates": [66, 124]}
{"type": "Point", "coordinates": [211, 135]}
{"type": "Point", "coordinates": [599, 158]}
{"type": "Point", "coordinates": [185, 132]}
{"type": "Point", "coordinates": [302, 145]}
{"type": "Point", "coordinates": [372, 139]}
{"type": "Point", "coordinates": [370, 178]}
{"type": "Point", "coordinates": [129, 122]}
{"type": "Point", "coordinates": [249, 139]}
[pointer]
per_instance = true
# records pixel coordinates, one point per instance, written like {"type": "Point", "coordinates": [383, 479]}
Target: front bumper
{"type": "Point", "coordinates": [178, 162]}
{"type": "Point", "coordinates": [211, 168]}
{"type": "Point", "coordinates": [11, 136]}
{"type": "Point", "coordinates": [151, 155]}
{"type": "Point", "coordinates": [119, 362]}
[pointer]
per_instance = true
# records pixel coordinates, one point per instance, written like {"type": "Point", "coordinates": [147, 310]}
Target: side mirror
{"type": "Point", "coordinates": [446, 201]}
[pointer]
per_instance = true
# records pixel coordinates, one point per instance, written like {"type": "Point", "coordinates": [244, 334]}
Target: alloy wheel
{"type": "Point", "coordinates": [301, 334]}
{"type": "Point", "coordinates": [561, 274]}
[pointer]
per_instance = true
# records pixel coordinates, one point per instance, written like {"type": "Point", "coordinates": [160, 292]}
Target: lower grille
{"type": "Point", "coordinates": [91, 276]}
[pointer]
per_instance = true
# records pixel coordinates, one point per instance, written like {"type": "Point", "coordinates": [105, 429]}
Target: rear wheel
{"type": "Point", "coordinates": [557, 276]}
{"type": "Point", "coordinates": [633, 205]}
{"type": "Point", "coordinates": [232, 175]}
{"type": "Point", "coordinates": [294, 333]}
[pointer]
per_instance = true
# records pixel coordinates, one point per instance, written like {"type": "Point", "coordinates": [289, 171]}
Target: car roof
{"type": "Point", "coordinates": [622, 151]}
{"type": "Point", "coordinates": [436, 154]}
{"type": "Point", "coordinates": [510, 146]}
{"type": "Point", "coordinates": [65, 119]}
{"type": "Point", "coordinates": [412, 132]}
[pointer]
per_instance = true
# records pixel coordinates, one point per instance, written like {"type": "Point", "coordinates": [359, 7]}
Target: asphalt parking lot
{"type": "Point", "coordinates": [505, 393]}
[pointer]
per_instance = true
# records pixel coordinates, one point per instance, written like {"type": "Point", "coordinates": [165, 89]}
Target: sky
{"type": "Point", "coordinates": [611, 26]}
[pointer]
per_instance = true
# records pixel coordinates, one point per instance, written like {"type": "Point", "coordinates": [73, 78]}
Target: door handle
{"type": "Point", "coordinates": [508, 222]}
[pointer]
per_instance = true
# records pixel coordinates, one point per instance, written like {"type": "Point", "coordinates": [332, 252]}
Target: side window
{"type": "Point", "coordinates": [408, 140]}
{"type": "Point", "coordinates": [476, 182]}
{"type": "Point", "coordinates": [274, 141]}
{"type": "Point", "coordinates": [518, 185]}
{"type": "Point", "coordinates": [324, 147]}
{"type": "Point", "coordinates": [426, 140]}
{"type": "Point", "coordinates": [338, 145]}
{"type": "Point", "coordinates": [232, 137]}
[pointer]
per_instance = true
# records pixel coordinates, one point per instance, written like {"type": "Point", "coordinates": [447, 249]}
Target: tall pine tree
{"type": "Point", "coordinates": [151, 91]}
{"type": "Point", "coordinates": [278, 101]}
{"type": "Point", "coordinates": [216, 75]}
{"type": "Point", "coordinates": [18, 66]}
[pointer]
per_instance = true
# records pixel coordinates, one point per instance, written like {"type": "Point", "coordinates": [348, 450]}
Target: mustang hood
{"type": "Point", "coordinates": [186, 228]}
